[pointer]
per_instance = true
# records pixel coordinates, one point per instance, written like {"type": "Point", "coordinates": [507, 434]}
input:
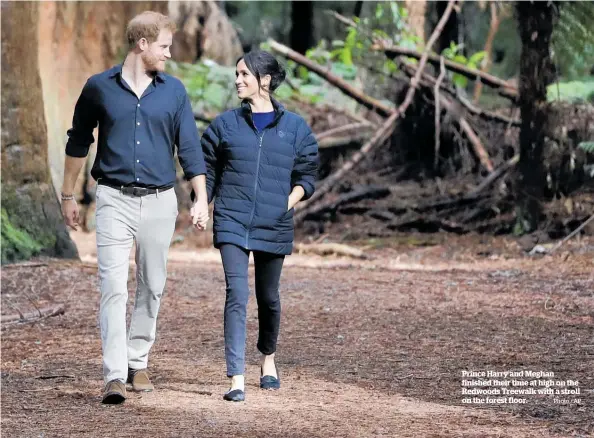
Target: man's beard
{"type": "Point", "coordinates": [151, 62]}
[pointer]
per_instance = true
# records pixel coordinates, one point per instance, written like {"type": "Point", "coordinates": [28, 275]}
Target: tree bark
{"type": "Point", "coordinates": [358, 8]}
{"type": "Point", "coordinates": [535, 22]}
{"type": "Point", "coordinates": [301, 26]}
{"type": "Point", "coordinates": [450, 30]}
{"type": "Point", "coordinates": [416, 17]}
{"type": "Point", "coordinates": [493, 27]}
{"type": "Point", "coordinates": [32, 222]}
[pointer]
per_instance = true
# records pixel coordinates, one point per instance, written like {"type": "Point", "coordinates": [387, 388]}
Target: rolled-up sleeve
{"type": "Point", "coordinates": [84, 121]}
{"type": "Point", "coordinates": [189, 151]}
{"type": "Point", "coordinates": [210, 149]}
{"type": "Point", "coordinates": [305, 170]}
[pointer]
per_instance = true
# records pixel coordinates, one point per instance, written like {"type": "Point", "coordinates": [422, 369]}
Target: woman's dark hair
{"type": "Point", "coordinates": [260, 64]}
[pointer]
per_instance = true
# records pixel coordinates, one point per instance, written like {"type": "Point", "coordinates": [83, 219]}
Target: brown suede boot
{"type": "Point", "coordinates": [114, 393]}
{"type": "Point", "coordinates": [140, 380]}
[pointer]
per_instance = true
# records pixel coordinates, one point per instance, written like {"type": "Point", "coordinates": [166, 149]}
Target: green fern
{"type": "Point", "coordinates": [573, 39]}
{"type": "Point", "coordinates": [588, 146]}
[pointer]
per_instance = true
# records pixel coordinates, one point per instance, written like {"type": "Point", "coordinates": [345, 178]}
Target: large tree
{"type": "Point", "coordinates": [31, 218]}
{"type": "Point", "coordinates": [302, 26]}
{"type": "Point", "coordinates": [535, 23]}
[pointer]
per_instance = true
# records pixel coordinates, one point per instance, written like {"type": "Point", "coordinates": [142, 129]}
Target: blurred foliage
{"type": "Point", "coordinates": [454, 53]}
{"type": "Point", "coordinates": [573, 39]}
{"type": "Point", "coordinates": [577, 91]}
{"type": "Point", "coordinates": [346, 52]}
{"type": "Point", "coordinates": [475, 21]}
{"type": "Point", "coordinates": [258, 21]}
{"type": "Point", "coordinates": [210, 86]}
{"type": "Point", "coordinates": [588, 146]}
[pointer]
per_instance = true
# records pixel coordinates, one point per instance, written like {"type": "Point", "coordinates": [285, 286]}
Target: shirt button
{"type": "Point", "coordinates": [137, 142]}
{"type": "Point", "coordinates": [137, 179]}
{"type": "Point", "coordinates": [138, 161]}
{"type": "Point", "coordinates": [138, 123]}
{"type": "Point", "coordinates": [138, 105]}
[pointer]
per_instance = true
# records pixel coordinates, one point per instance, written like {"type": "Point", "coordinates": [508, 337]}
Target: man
{"type": "Point", "coordinates": [142, 114]}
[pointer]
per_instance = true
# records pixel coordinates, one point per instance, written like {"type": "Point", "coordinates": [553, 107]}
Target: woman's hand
{"type": "Point", "coordinates": [296, 194]}
{"type": "Point", "coordinates": [199, 214]}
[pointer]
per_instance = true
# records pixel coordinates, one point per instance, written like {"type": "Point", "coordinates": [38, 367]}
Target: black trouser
{"type": "Point", "coordinates": [268, 269]}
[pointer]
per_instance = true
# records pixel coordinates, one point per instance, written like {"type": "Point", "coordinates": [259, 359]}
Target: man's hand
{"type": "Point", "coordinates": [72, 167]}
{"type": "Point", "coordinates": [199, 213]}
{"type": "Point", "coordinates": [70, 213]}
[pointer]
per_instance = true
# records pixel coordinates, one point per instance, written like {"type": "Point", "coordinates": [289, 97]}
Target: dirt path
{"type": "Point", "coordinates": [374, 348]}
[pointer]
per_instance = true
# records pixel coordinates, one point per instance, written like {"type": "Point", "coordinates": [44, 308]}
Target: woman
{"type": "Point", "coordinates": [261, 160]}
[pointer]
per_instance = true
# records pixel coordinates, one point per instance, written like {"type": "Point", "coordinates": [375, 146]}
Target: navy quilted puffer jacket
{"type": "Point", "coordinates": [251, 174]}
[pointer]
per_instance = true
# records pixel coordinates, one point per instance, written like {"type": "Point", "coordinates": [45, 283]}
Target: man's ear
{"type": "Point", "coordinates": [142, 44]}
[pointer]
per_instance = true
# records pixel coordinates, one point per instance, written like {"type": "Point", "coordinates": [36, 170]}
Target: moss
{"type": "Point", "coordinates": [17, 244]}
{"type": "Point", "coordinates": [26, 229]}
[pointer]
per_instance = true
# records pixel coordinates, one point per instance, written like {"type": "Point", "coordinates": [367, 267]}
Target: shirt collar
{"type": "Point", "coordinates": [279, 109]}
{"type": "Point", "coordinates": [117, 71]}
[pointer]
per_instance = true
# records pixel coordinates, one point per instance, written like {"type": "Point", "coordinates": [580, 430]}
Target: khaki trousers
{"type": "Point", "coordinates": [120, 220]}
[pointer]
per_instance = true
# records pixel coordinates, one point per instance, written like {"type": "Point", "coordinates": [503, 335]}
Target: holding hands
{"type": "Point", "coordinates": [199, 214]}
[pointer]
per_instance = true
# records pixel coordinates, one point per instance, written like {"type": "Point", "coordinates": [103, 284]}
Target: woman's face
{"type": "Point", "coordinates": [246, 83]}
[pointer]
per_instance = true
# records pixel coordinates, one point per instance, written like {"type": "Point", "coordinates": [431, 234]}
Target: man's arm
{"type": "Point", "coordinates": [199, 210]}
{"type": "Point", "coordinates": [191, 159]}
{"type": "Point", "coordinates": [72, 167]}
{"type": "Point", "coordinates": [80, 138]}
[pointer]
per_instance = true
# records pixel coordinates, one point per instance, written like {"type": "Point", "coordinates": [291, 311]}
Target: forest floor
{"type": "Point", "coordinates": [372, 347]}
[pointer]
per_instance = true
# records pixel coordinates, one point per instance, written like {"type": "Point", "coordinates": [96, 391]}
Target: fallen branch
{"type": "Point", "coordinates": [334, 142]}
{"type": "Point", "coordinates": [474, 139]}
{"type": "Point", "coordinates": [437, 111]}
{"type": "Point", "coordinates": [385, 130]}
{"type": "Point", "coordinates": [379, 137]}
{"type": "Point", "coordinates": [342, 129]}
{"type": "Point", "coordinates": [51, 388]}
{"type": "Point", "coordinates": [24, 265]}
{"type": "Point", "coordinates": [573, 233]}
{"type": "Point", "coordinates": [373, 192]}
{"type": "Point", "coordinates": [330, 249]}
{"type": "Point", "coordinates": [345, 87]}
{"type": "Point", "coordinates": [502, 86]}
{"type": "Point", "coordinates": [476, 143]}
{"type": "Point", "coordinates": [487, 115]}
{"type": "Point", "coordinates": [41, 313]}
{"type": "Point", "coordinates": [57, 376]}
{"type": "Point", "coordinates": [493, 176]}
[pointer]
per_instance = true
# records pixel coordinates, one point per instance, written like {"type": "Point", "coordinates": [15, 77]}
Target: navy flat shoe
{"type": "Point", "coordinates": [235, 395]}
{"type": "Point", "coordinates": [269, 382]}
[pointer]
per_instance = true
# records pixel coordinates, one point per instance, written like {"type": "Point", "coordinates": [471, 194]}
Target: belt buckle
{"type": "Point", "coordinates": [139, 191]}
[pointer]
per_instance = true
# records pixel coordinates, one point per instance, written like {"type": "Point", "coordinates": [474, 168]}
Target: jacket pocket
{"type": "Point", "coordinates": [286, 219]}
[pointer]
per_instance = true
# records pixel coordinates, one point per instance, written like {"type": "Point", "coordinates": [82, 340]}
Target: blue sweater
{"type": "Point", "coordinates": [262, 120]}
{"type": "Point", "coordinates": [251, 173]}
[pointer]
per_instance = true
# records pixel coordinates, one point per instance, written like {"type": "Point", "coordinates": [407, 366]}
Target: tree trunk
{"type": "Point", "coordinates": [32, 222]}
{"type": "Point", "coordinates": [358, 8]}
{"type": "Point", "coordinates": [450, 31]}
{"type": "Point", "coordinates": [535, 22]}
{"type": "Point", "coordinates": [493, 27]}
{"type": "Point", "coordinates": [416, 18]}
{"type": "Point", "coordinates": [301, 26]}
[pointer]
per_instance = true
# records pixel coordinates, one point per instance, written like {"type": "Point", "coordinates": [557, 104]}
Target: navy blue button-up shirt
{"type": "Point", "coordinates": [137, 137]}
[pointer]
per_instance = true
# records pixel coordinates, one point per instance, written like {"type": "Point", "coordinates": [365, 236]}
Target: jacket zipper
{"type": "Point", "coordinates": [247, 231]}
